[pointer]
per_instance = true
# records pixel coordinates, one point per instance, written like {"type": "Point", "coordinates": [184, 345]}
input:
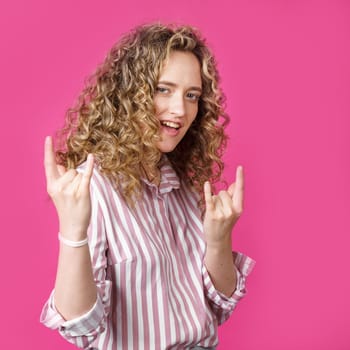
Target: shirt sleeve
{"type": "Point", "coordinates": [221, 305]}
{"type": "Point", "coordinates": [83, 330]}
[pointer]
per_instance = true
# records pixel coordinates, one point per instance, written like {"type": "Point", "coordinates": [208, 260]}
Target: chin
{"type": "Point", "coordinates": [166, 148]}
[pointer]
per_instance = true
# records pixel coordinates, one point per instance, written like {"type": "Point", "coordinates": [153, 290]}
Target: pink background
{"type": "Point", "coordinates": [285, 70]}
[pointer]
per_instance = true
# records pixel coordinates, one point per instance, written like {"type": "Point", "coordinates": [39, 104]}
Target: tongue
{"type": "Point", "coordinates": [170, 129]}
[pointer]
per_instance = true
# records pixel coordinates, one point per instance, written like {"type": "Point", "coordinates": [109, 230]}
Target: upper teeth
{"type": "Point", "coordinates": [171, 124]}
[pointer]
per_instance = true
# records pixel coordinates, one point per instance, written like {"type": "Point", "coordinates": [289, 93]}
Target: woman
{"type": "Point", "coordinates": [145, 261]}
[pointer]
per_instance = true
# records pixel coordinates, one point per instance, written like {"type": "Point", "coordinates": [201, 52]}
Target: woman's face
{"type": "Point", "coordinates": [176, 98]}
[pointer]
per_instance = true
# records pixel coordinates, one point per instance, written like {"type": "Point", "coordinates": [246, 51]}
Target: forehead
{"type": "Point", "coordinates": [182, 68]}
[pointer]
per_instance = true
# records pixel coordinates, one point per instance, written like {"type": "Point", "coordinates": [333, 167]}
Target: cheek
{"type": "Point", "coordinates": [158, 105]}
{"type": "Point", "coordinates": [193, 113]}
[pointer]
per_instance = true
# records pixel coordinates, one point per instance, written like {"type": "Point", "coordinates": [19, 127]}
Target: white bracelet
{"type": "Point", "coordinates": [69, 243]}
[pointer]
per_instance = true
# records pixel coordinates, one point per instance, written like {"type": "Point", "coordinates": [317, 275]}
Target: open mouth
{"type": "Point", "coordinates": [172, 125]}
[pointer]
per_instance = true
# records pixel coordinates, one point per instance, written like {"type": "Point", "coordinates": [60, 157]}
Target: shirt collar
{"type": "Point", "coordinates": [168, 177]}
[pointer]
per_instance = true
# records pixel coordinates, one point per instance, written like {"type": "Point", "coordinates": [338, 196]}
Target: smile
{"type": "Point", "coordinates": [171, 124]}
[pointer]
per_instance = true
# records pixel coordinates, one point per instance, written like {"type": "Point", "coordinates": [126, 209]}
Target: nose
{"type": "Point", "coordinates": [177, 105]}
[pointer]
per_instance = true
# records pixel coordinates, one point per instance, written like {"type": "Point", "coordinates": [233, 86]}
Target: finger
{"type": "Point", "coordinates": [239, 178]}
{"type": "Point", "coordinates": [208, 196]}
{"type": "Point", "coordinates": [75, 183]}
{"type": "Point", "coordinates": [61, 169]}
{"type": "Point", "coordinates": [224, 202]}
{"type": "Point", "coordinates": [239, 189]}
{"type": "Point", "coordinates": [231, 189]}
{"type": "Point", "coordinates": [50, 165]}
{"type": "Point", "coordinates": [89, 167]}
{"type": "Point", "coordinates": [68, 177]}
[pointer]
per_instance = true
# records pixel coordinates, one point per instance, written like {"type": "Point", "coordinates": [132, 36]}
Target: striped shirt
{"type": "Point", "coordinates": [154, 291]}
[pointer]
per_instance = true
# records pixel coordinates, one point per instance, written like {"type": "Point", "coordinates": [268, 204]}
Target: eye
{"type": "Point", "coordinates": [162, 90]}
{"type": "Point", "coordinates": [192, 96]}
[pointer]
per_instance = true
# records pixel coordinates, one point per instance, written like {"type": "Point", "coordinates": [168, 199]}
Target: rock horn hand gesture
{"type": "Point", "coordinates": [70, 193]}
{"type": "Point", "coordinates": [223, 210]}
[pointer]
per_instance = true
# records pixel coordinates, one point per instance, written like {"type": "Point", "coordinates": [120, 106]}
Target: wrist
{"type": "Point", "coordinates": [73, 234]}
{"type": "Point", "coordinates": [70, 243]}
{"type": "Point", "coordinates": [219, 246]}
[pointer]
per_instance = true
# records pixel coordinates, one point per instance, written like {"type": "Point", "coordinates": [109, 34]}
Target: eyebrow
{"type": "Point", "coordinates": [169, 83]}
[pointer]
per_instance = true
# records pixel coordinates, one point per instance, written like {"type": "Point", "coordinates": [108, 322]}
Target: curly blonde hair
{"type": "Point", "coordinates": [114, 117]}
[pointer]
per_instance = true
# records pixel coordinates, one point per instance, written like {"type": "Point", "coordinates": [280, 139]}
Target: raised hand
{"type": "Point", "coordinates": [223, 210]}
{"type": "Point", "coordinates": [69, 190]}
